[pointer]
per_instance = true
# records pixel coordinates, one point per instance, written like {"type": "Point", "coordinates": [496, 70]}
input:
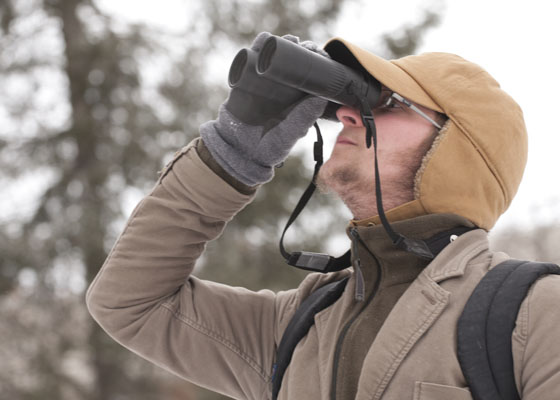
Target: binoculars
{"type": "Point", "coordinates": [283, 72]}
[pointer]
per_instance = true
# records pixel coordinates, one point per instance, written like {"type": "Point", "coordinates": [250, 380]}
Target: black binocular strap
{"type": "Point", "coordinates": [320, 262]}
{"type": "Point", "coordinates": [310, 261]}
{"type": "Point", "coordinates": [415, 246]}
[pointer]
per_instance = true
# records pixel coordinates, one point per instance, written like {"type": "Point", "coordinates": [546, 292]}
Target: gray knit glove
{"type": "Point", "coordinates": [250, 152]}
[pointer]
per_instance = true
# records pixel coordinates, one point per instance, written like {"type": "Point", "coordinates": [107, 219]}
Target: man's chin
{"type": "Point", "coordinates": [336, 179]}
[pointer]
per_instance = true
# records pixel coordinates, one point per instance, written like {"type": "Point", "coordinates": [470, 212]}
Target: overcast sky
{"type": "Point", "coordinates": [515, 41]}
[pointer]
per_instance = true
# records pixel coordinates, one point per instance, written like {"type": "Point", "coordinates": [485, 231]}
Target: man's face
{"type": "Point", "coordinates": [403, 138]}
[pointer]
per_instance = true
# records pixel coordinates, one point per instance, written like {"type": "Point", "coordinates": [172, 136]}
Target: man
{"type": "Point", "coordinates": [392, 333]}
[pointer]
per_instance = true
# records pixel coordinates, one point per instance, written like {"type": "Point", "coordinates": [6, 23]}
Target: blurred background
{"type": "Point", "coordinates": [96, 96]}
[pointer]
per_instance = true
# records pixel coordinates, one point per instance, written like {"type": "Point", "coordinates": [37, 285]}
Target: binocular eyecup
{"type": "Point", "coordinates": [285, 72]}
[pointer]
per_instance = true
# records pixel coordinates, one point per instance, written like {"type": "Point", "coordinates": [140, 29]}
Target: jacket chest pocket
{"type": "Point", "coordinates": [433, 391]}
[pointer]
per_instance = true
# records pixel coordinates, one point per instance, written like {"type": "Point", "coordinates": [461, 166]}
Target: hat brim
{"type": "Point", "coordinates": [386, 72]}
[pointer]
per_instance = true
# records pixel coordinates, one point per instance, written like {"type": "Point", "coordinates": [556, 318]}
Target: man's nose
{"type": "Point", "coordinates": [349, 117]}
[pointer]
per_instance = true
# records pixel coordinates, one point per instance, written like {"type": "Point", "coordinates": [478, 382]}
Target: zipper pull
{"type": "Point", "coordinates": [359, 293]}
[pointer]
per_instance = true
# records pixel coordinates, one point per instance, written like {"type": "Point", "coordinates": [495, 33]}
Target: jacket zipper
{"type": "Point", "coordinates": [359, 292]}
{"type": "Point", "coordinates": [355, 237]}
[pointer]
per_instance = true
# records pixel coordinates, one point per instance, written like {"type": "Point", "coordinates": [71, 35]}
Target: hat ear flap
{"type": "Point", "coordinates": [428, 156]}
{"type": "Point", "coordinates": [457, 180]}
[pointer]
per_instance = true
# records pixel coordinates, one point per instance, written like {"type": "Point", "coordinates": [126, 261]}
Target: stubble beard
{"type": "Point", "coordinates": [346, 183]}
{"type": "Point", "coordinates": [358, 192]}
{"type": "Point", "coordinates": [337, 180]}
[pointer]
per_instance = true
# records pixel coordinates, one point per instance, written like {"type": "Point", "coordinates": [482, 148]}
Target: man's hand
{"type": "Point", "coordinates": [250, 152]}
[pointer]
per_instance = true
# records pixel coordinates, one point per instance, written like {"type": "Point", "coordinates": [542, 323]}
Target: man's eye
{"type": "Point", "coordinates": [391, 106]}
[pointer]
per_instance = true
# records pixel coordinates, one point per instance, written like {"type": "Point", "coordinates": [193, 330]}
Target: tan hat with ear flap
{"type": "Point", "coordinates": [478, 163]}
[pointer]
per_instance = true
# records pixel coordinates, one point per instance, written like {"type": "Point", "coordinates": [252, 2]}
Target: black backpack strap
{"type": "Point", "coordinates": [486, 325]}
{"type": "Point", "coordinates": [300, 324]}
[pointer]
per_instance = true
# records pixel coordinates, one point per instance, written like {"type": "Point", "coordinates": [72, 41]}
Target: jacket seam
{"type": "Point", "coordinates": [178, 154]}
{"type": "Point", "coordinates": [417, 390]}
{"type": "Point", "coordinates": [220, 339]}
{"type": "Point", "coordinates": [265, 390]}
{"type": "Point", "coordinates": [420, 389]}
{"type": "Point", "coordinates": [404, 351]}
{"type": "Point", "coordinates": [135, 213]}
{"type": "Point", "coordinates": [525, 321]}
{"type": "Point", "coordinates": [526, 331]}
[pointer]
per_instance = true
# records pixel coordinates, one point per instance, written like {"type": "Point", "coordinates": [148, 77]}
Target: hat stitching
{"type": "Point", "coordinates": [486, 159]}
{"type": "Point", "coordinates": [420, 86]}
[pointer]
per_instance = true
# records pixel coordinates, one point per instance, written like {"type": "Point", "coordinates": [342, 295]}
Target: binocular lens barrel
{"type": "Point", "coordinates": [290, 64]}
{"type": "Point", "coordinates": [238, 68]}
{"type": "Point", "coordinates": [243, 75]}
{"type": "Point", "coordinates": [284, 72]}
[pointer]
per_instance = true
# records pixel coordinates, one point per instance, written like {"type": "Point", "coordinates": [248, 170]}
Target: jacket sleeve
{"type": "Point", "coordinates": [216, 336]}
{"type": "Point", "coordinates": [536, 342]}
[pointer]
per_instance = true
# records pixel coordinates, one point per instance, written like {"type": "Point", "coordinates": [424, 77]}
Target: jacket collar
{"type": "Point", "coordinates": [417, 310]}
{"type": "Point", "coordinates": [422, 227]}
{"type": "Point", "coordinates": [453, 259]}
